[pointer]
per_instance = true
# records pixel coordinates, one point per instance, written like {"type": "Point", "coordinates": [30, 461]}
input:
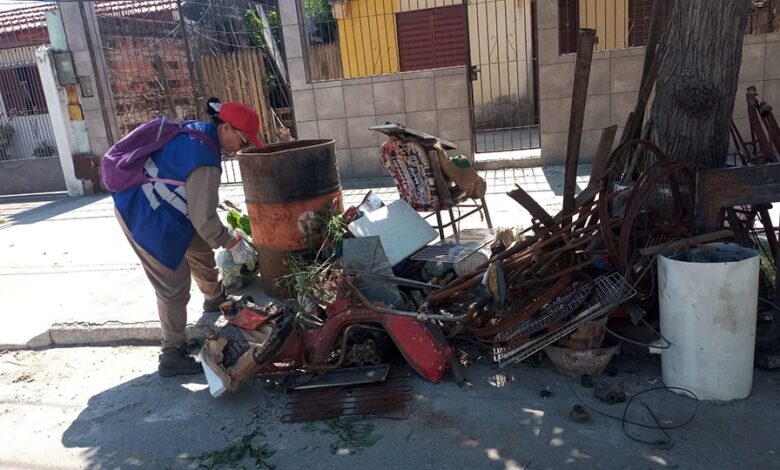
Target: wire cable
{"type": "Point", "coordinates": [657, 426]}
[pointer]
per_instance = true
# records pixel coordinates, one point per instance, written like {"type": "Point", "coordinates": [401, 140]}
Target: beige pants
{"type": "Point", "coordinates": [173, 286]}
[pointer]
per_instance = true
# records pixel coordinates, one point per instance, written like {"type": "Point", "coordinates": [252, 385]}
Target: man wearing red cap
{"type": "Point", "coordinates": [174, 228]}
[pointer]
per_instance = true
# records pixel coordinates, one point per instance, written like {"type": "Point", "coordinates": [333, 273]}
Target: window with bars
{"type": "Point", "coordinates": [21, 91]}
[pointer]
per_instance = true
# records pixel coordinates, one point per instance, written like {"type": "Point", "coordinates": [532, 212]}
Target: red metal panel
{"type": "Point", "coordinates": [432, 38]}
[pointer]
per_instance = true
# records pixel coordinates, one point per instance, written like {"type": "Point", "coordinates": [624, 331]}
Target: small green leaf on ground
{"type": "Point", "coordinates": [248, 448]}
{"type": "Point", "coordinates": [350, 437]}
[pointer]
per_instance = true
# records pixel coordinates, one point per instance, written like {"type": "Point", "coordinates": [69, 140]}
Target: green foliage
{"type": "Point", "coordinates": [3, 221]}
{"type": "Point", "coordinates": [238, 220]}
{"type": "Point", "coordinates": [349, 436]}
{"type": "Point", "coordinates": [255, 26]}
{"type": "Point", "coordinates": [325, 229]}
{"type": "Point", "coordinates": [44, 149]}
{"type": "Point", "coordinates": [6, 137]}
{"type": "Point", "coordinates": [247, 447]}
{"type": "Point", "coordinates": [318, 9]}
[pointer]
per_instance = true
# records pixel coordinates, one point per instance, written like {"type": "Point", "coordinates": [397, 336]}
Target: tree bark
{"type": "Point", "coordinates": [701, 55]}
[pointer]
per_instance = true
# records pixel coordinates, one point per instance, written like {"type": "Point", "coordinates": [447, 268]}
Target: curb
{"type": "Point", "coordinates": [108, 333]}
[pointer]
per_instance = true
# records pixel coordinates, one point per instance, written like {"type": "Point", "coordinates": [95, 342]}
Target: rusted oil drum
{"type": "Point", "coordinates": [285, 184]}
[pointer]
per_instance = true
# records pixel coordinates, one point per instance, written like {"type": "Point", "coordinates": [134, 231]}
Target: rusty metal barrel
{"type": "Point", "coordinates": [285, 185]}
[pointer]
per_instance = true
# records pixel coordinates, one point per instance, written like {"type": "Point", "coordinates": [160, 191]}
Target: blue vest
{"type": "Point", "coordinates": [156, 213]}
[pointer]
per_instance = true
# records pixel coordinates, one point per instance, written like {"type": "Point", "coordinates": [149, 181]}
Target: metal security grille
{"type": "Point", "coordinates": [25, 127]}
{"type": "Point", "coordinates": [503, 73]}
{"type": "Point", "coordinates": [432, 38]}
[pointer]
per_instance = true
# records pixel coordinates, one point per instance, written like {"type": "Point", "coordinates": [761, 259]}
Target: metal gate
{"type": "Point", "coordinates": [503, 71]}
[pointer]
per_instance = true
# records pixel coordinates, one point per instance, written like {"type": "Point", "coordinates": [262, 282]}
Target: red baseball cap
{"type": "Point", "coordinates": [243, 118]}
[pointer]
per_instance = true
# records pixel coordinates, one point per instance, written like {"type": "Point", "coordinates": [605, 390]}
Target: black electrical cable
{"type": "Point", "coordinates": [647, 345]}
{"type": "Point", "coordinates": [658, 426]}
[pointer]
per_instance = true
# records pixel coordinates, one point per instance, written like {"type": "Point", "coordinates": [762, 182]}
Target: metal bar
{"type": "Point", "coordinates": [585, 43]}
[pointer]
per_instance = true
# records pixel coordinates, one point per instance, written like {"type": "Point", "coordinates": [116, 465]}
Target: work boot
{"type": "Point", "coordinates": [212, 305]}
{"type": "Point", "coordinates": [178, 361]}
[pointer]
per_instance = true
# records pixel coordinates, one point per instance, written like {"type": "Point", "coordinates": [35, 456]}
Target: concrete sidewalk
{"type": "Point", "coordinates": [69, 277]}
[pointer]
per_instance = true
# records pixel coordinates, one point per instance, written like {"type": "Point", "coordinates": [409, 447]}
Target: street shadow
{"type": "Point", "coordinates": [43, 207]}
{"type": "Point", "coordinates": [555, 177]}
{"type": "Point", "coordinates": [154, 422]}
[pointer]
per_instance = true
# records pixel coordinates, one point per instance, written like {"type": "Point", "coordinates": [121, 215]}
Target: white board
{"type": "Point", "coordinates": [400, 228]}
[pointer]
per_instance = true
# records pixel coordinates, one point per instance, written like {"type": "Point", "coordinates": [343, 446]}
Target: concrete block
{"type": "Point", "coordinates": [464, 148]}
{"type": "Point", "coordinates": [599, 81]}
{"type": "Point", "coordinates": [365, 162]}
{"type": "Point", "coordinates": [356, 81]}
{"type": "Point", "coordinates": [774, 37]}
{"type": "Point", "coordinates": [626, 73]}
{"type": "Point", "coordinates": [627, 52]}
{"type": "Point", "coordinates": [548, 48]}
{"type": "Point", "coordinates": [772, 95]}
{"type": "Point", "coordinates": [547, 15]}
{"type": "Point", "coordinates": [425, 121]}
{"type": "Point", "coordinates": [740, 102]}
{"type": "Point", "coordinates": [597, 112]}
{"type": "Point", "coordinates": [83, 64]}
{"type": "Point", "coordinates": [554, 148]}
{"type": "Point", "coordinates": [308, 130]}
{"type": "Point", "coordinates": [451, 91]}
{"type": "Point", "coordinates": [454, 124]}
{"type": "Point", "coordinates": [752, 69]}
{"type": "Point", "coordinates": [420, 94]}
{"type": "Point", "coordinates": [327, 84]}
{"type": "Point", "coordinates": [335, 129]}
{"type": "Point", "coordinates": [292, 42]}
{"type": "Point", "coordinates": [392, 77]}
{"type": "Point", "coordinates": [303, 104]}
{"type": "Point", "coordinates": [622, 104]}
{"type": "Point", "coordinates": [554, 115]}
{"type": "Point", "coordinates": [754, 39]}
{"type": "Point", "coordinates": [556, 80]}
{"type": "Point", "coordinates": [288, 12]}
{"type": "Point", "coordinates": [359, 100]}
{"type": "Point", "coordinates": [400, 118]}
{"type": "Point", "coordinates": [359, 133]}
{"type": "Point", "coordinates": [389, 97]}
{"type": "Point", "coordinates": [772, 61]}
{"type": "Point", "coordinates": [345, 163]}
{"type": "Point", "coordinates": [459, 70]}
{"type": "Point", "coordinates": [329, 103]}
{"type": "Point", "coordinates": [296, 68]}
{"type": "Point", "coordinates": [417, 75]}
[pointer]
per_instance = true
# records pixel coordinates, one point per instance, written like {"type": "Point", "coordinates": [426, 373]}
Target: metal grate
{"type": "Point", "coordinates": [609, 292]}
{"type": "Point", "coordinates": [458, 246]}
{"type": "Point", "coordinates": [559, 308]}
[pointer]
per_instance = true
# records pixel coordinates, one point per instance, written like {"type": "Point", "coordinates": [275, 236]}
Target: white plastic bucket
{"type": "Point", "coordinates": [708, 298]}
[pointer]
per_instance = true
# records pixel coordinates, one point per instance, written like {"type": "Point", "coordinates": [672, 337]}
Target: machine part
{"type": "Point", "coordinates": [545, 394]}
{"type": "Point", "coordinates": [337, 378]}
{"type": "Point", "coordinates": [579, 414]}
{"type": "Point", "coordinates": [586, 380]}
{"type": "Point", "coordinates": [365, 347]}
{"type": "Point", "coordinates": [457, 247]}
{"type": "Point", "coordinates": [611, 371]}
{"type": "Point", "coordinates": [609, 396]}
{"type": "Point", "coordinates": [388, 399]}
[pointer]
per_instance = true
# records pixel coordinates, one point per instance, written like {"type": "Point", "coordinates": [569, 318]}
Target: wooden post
{"type": "Point", "coordinates": [585, 41]}
{"type": "Point", "coordinates": [164, 85]}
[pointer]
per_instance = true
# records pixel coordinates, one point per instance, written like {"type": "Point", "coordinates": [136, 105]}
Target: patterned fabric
{"type": "Point", "coordinates": [408, 164]}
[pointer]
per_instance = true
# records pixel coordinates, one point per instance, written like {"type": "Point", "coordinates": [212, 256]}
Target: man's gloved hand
{"type": "Point", "coordinates": [240, 249]}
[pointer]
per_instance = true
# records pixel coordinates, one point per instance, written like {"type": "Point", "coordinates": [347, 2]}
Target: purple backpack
{"type": "Point", "coordinates": [122, 167]}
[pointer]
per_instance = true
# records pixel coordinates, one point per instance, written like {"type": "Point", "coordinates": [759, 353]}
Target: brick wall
{"type": "Point", "coordinates": [135, 83]}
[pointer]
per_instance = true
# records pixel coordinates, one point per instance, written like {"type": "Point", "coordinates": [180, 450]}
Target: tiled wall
{"type": "Point", "coordinates": [431, 101]}
{"type": "Point", "coordinates": [614, 86]}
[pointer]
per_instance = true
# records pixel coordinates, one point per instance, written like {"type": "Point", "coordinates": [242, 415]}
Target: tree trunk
{"type": "Point", "coordinates": [701, 55]}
